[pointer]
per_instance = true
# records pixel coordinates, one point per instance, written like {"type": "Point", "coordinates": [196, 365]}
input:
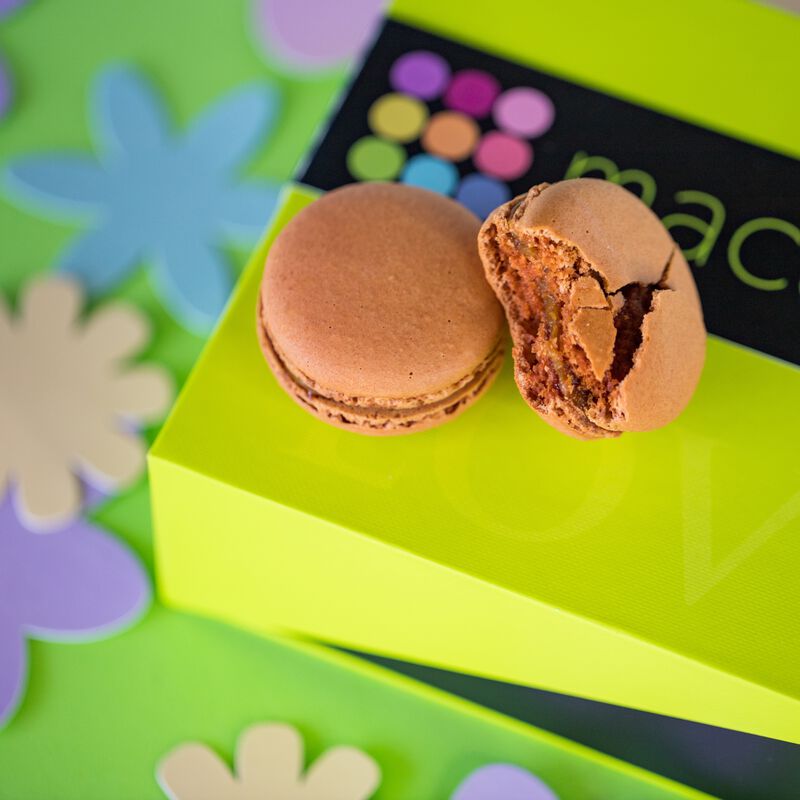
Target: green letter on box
{"type": "Point", "coordinates": [582, 163]}
{"type": "Point", "coordinates": [708, 230]}
{"type": "Point", "coordinates": [738, 239]}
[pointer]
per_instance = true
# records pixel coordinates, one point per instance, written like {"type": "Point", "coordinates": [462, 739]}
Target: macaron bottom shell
{"type": "Point", "coordinates": [381, 418]}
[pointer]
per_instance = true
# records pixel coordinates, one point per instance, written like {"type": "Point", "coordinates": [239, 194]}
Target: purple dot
{"type": "Point", "coordinates": [482, 194]}
{"type": "Point", "coordinates": [421, 74]}
{"type": "Point", "coordinates": [472, 91]}
{"type": "Point", "coordinates": [524, 112]}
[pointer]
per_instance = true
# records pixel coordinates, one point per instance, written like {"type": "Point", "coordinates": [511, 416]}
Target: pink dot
{"type": "Point", "coordinates": [472, 91]}
{"type": "Point", "coordinates": [503, 156]}
{"type": "Point", "coordinates": [524, 111]}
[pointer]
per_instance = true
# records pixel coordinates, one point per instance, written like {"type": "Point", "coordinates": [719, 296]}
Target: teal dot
{"type": "Point", "coordinates": [374, 159]}
{"type": "Point", "coordinates": [430, 172]}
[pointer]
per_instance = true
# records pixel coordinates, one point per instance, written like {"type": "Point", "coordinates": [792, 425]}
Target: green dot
{"type": "Point", "coordinates": [373, 159]}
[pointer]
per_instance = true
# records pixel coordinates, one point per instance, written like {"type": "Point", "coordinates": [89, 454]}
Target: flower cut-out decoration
{"type": "Point", "coordinates": [6, 92]}
{"type": "Point", "coordinates": [269, 764]}
{"type": "Point", "coordinates": [69, 400]}
{"type": "Point", "coordinates": [152, 195]}
{"type": "Point", "coordinates": [7, 6]}
{"type": "Point", "coordinates": [5, 89]}
{"type": "Point", "coordinates": [78, 584]}
{"type": "Point", "coordinates": [506, 781]}
{"type": "Point", "coordinates": [313, 35]}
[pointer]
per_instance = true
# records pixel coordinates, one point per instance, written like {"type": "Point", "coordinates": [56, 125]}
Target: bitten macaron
{"type": "Point", "coordinates": [374, 313]}
{"type": "Point", "coordinates": [604, 313]}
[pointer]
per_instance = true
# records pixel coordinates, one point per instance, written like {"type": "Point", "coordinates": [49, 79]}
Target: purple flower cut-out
{"type": "Point", "coordinates": [503, 780]}
{"type": "Point", "coordinates": [313, 35]}
{"type": "Point", "coordinates": [5, 90]}
{"type": "Point", "coordinates": [77, 584]}
{"type": "Point", "coordinates": [6, 7]}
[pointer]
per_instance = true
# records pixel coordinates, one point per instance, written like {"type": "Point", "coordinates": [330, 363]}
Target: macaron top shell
{"type": "Point", "coordinates": [622, 238]}
{"type": "Point", "coordinates": [377, 291]}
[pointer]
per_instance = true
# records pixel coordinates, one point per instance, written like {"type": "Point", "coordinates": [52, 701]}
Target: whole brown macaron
{"type": "Point", "coordinates": [605, 317]}
{"type": "Point", "coordinates": [374, 313]}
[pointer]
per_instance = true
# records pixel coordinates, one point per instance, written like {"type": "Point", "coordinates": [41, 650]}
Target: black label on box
{"type": "Point", "coordinates": [453, 119]}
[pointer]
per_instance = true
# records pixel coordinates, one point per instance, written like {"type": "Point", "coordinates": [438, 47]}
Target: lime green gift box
{"type": "Point", "coordinates": [658, 571]}
{"type": "Point", "coordinates": [626, 571]}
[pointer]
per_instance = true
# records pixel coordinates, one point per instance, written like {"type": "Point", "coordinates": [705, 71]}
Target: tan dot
{"type": "Point", "coordinates": [451, 135]}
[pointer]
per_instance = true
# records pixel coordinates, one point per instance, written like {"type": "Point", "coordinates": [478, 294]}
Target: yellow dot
{"type": "Point", "coordinates": [397, 117]}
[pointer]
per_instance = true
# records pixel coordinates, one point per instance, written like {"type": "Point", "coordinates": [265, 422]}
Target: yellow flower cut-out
{"type": "Point", "coordinates": [70, 401]}
{"type": "Point", "coordinates": [269, 766]}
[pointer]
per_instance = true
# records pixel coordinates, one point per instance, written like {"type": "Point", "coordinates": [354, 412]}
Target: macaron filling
{"type": "Point", "coordinates": [575, 342]}
{"type": "Point", "coordinates": [377, 413]}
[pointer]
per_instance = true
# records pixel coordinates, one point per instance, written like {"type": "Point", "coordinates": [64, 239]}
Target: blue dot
{"type": "Point", "coordinates": [429, 172]}
{"type": "Point", "coordinates": [481, 194]}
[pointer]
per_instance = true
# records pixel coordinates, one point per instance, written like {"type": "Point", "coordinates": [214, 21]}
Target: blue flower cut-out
{"type": "Point", "coordinates": [155, 196]}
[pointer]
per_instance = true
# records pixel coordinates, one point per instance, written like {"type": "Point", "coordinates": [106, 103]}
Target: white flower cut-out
{"type": "Point", "coordinates": [69, 401]}
{"type": "Point", "coordinates": [269, 766]}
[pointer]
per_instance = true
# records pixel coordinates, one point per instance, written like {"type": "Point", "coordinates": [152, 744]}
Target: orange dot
{"type": "Point", "coordinates": [451, 135]}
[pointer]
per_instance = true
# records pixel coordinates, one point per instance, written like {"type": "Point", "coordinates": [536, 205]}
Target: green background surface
{"type": "Point", "coordinates": [98, 718]}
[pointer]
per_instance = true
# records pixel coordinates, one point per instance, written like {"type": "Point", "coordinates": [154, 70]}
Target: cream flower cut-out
{"type": "Point", "coordinates": [269, 766]}
{"type": "Point", "coordinates": [69, 402]}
